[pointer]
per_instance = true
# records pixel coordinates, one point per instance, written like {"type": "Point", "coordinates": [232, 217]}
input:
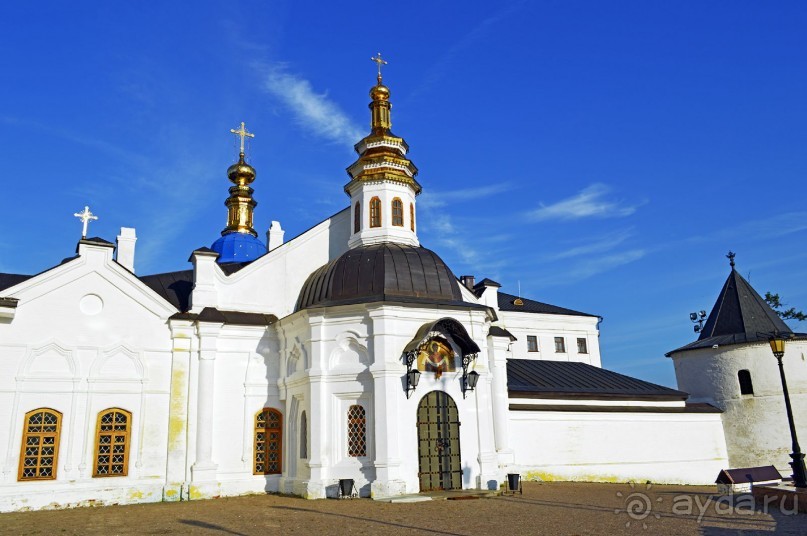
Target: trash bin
{"type": "Point", "coordinates": [345, 487]}
{"type": "Point", "coordinates": [514, 482]}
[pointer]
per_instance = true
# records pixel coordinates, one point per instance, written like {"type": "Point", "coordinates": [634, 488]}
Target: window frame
{"type": "Point", "coordinates": [397, 206]}
{"type": "Point", "coordinates": [746, 383]}
{"type": "Point", "coordinates": [375, 212]}
{"type": "Point", "coordinates": [266, 429]}
{"type": "Point", "coordinates": [412, 216]}
{"type": "Point", "coordinates": [357, 217]}
{"type": "Point", "coordinates": [303, 436]}
{"type": "Point", "coordinates": [584, 349]}
{"type": "Point", "coordinates": [560, 349]}
{"type": "Point", "coordinates": [359, 432]}
{"type": "Point", "coordinates": [27, 433]}
{"type": "Point", "coordinates": [127, 443]}
{"type": "Point", "coordinates": [532, 348]}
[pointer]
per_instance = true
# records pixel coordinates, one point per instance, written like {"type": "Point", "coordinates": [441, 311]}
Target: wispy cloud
{"type": "Point", "coordinates": [313, 111]}
{"type": "Point", "coordinates": [597, 265]}
{"type": "Point", "coordinates": [599, 244]}
{"type": "Point", "coordinates": [588, 203]}
{"type": "Point", "coordinates": [433, 199]}
{"type": "Point", "coordinates": [439, 68]}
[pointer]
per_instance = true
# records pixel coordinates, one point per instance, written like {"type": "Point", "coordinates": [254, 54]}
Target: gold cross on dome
{"type": "Point", "coordinates": [86, 217]}
{"type": "Point", "coordinates": [379, 62]}
{"type": "Point", "coordinates": [242, 133]}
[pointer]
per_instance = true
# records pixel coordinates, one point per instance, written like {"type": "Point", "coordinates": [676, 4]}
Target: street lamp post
{"type": "Point", "coordinates": [777, 343]}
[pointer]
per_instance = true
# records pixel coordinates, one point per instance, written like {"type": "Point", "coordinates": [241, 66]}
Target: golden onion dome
{"type": "Point", "coordinates": [379, 92]}
{"type": "Point", "coordinates": [241, 173]}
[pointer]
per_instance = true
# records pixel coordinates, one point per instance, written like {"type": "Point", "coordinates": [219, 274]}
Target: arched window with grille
{"type": "Point", "coordinates": [375, 212]}
{"type": "Point", "coordinates": [268, 442]}
{"type": "Point", "coordinates": [746, 385]}
{"type": "Point", "coordinates": [303, 437]}
{"type": "Point", "coordinates": [112, 434]}
{"type": "Point", "coordinates": [357, 217]}
{"type": "Point", "coordinates": [356, 431]}
{"type": "Point", "coordinates": [412, 216]}
{"type": "Point", "coordinates": [40, 444]}
{"type": "Point", "coordinates": [397, 212]}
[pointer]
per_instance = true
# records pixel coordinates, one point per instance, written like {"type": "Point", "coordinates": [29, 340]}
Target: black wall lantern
{"type": "Point", "coordinates": [469, 379]}
{"type": "Point", "coordinates": [412, 375]}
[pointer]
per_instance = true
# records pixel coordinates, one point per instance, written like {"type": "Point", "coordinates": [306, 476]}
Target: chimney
{"type": "Point", "coordinates": [274, 236]}
{"type": "Point", "coordinates": [468, 281]}
{"type": "Point", "coordinates": [126, 248]}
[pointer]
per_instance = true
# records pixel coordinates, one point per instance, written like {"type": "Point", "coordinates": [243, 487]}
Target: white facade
{"type": "Point", "coordinates": [230, 386]}
{"type": "Point", "coordinates": [755, 424]}
{"type": "Point", "coordinates": [88, 335]}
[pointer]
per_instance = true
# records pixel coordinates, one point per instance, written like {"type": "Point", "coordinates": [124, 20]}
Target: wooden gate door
{"type": "Point", "coordinates": [439, 442]}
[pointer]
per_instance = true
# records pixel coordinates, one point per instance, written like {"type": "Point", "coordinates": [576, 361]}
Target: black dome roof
{"type": "Point", "coordinates": [381, 272]}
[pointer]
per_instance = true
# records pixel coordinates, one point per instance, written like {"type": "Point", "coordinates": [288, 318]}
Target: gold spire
{"type": "Point", "coordinates": [240, 203]}
{"type": "Point", "coordinates": [380, 120]}
{"type": "Point", "coordinates": [382, 155]}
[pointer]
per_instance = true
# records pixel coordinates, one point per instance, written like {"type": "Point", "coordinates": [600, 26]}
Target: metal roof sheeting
{"type": "Point", "coordinates": [506, 303]}
{"type": "Point", "coordinates": [547, 379]}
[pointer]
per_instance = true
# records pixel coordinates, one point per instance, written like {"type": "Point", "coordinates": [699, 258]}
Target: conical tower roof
{"type": "Point", "coordinates": [740, 310]}
{"type": "Point", "coordinates": [740, 315]}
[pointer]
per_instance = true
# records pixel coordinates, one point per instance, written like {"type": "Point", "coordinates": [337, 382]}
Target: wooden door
{"type": "Point", "coordinates": [439, 443]}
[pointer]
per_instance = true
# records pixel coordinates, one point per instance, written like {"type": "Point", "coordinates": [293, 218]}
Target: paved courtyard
{"type": "Point", "coordinates": [551, 508]}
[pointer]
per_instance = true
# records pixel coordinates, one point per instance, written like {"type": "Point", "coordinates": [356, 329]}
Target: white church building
{"type": "Point", "coordinates": [348, 352]}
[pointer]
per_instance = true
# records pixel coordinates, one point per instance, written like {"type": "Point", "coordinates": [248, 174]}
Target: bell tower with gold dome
{"type": "Point", "coordinates": [239, 242]}
{"type": "Point", "coordinates": [382, 188]}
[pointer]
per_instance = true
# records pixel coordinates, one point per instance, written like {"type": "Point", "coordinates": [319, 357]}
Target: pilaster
{"type": "Point", "coordinates": [204, 468]}
{"type": "Point", "coordinates": [498, 350]}
{"type": "Point", "coordinates": [182, 338]}
{"type": "Point", "coordinates": [386, 371]}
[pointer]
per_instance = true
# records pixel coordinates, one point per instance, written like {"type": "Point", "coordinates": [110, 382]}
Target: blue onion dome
{"type": "Point", "coordinates": [238, 247]}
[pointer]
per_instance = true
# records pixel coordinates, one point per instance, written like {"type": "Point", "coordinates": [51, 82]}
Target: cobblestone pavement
{"type": "Point", "coordinates": [552, 508]}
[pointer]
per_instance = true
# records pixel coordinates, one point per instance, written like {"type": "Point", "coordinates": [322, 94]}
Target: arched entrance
{"type": "Point", "coordinates": [439, 442]}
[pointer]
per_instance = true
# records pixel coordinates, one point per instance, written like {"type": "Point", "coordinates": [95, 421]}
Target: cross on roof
{"type": "Point", "coordinates": [379, 62]}
{"type": "Point", "coordinates": [86, 217]}
{"type": "Point", "coordinates": [242, 133]}
{"type": "Point", "coordinates": [730, 257]}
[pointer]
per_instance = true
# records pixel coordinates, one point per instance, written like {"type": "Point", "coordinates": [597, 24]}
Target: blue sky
{"type": "Point", "coordinates": [606, 155]}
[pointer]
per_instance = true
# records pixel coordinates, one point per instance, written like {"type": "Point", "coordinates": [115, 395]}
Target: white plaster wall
{"type": "Point", "coordinates": [56, 355]}
{"type": "Point", "coordinates": [354, 356]}
{"type": "Point", "coordinates": [756, 425]}
{"type": "Point", "coordinates": [386, 191]}
{"type": "Point", "coordinates": [546, 327]}
{"type": "Point", "coordinates": [664, 448]}
{"type": "Point", "coordinates": [272, 283]}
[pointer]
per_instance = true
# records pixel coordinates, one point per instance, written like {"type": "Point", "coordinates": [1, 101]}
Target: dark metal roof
{"type": "Point", "coordinates": [381, 272]}
{"type": "Point", "coordinates": [9, 280]}
{"type": "Point", "coordinates": [448, 326]}
{"type": "Point", "coordinates": [739, 315]}
{"type": "Point", "coordinates": [9, 302]}
{"type": "Point", "coordinates": [174, 287]}
{"type": "Point", "coordinates": [506, 303]}
{"type": "Point", "coordinates": [95, 241]}
{"type": "Point", "coordinates": [241, 318]}
{"type": "Point", "coordinates": [229, 268]}
{"type": "Point", "coordinates": [496, 331]}
{"type": "Point", "coordinates": [748, 475]}
{"type": "Point", "coordinates": [528, 378]}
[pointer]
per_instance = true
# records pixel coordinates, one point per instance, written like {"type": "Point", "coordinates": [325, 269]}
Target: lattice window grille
{"type": "Point", "coordinates": [112, 450]}
{"type": "Point", "coordinates": [356, 431]}
{"type": "Point", "coordinates": [268, 442]}
{"type": "Point", "coordinates": [40, 445]}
